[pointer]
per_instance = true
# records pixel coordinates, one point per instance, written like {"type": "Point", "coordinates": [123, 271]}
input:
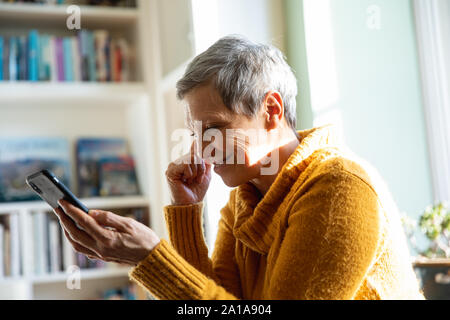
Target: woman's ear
{"type": "Point", "coordinates": [273, 108]}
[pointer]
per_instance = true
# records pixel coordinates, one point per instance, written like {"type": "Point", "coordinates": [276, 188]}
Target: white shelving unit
{"type": "Point", "coordinates": [132, 110]}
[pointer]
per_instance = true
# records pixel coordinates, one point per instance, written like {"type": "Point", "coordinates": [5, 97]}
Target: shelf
{"type": "Point", "coordinates": [57, 14]}
{"type": "Point", "coordinates": [94, 203]}
{"type": "Point", "coordinates": [437, 262]}
{"type": "Point", "coordinates": [45, 92]}
{"type": "Point", "coordinates": [84, 275]}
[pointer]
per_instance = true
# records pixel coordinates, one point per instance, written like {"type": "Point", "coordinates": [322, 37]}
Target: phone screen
{"type": "Point", "coordinates": [51, 190]}
{"type": "Point", "coordinates": [47, 190]}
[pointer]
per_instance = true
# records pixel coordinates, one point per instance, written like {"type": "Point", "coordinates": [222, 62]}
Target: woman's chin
{"type": "Point", "coordinates": [231, 176]}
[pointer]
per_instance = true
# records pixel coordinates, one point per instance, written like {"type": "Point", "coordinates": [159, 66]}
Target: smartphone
{"type": "Point", "coordinates": [51, 190]}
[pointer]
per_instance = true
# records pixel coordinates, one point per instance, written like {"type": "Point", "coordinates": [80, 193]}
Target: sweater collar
{"type": "Point", "coordinates": [256, 219]}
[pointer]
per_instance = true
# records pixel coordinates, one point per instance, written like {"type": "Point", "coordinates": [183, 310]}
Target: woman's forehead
{"type": "Point", "coordinates": [205, 104]}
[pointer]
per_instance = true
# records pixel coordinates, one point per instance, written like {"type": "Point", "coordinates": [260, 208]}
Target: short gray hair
{"type": "Point", "coordinates": [243, 72]}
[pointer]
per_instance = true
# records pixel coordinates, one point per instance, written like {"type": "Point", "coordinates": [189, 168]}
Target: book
{"type": "Point", "coordinates": [7, 252]}
{"type": "Point", "coordinates": [76, 59]}
{"type": "Point", "coordinates": [2, 244]}
{"type": "Point", "coordinates": [27, 240]}
{"type": "Point", "coordinates": [67, 57]}
{"type": "Point", "coordinates": [1, 58]}
{"type": "Point", "coordinates": [117, 177]}
{"type": "Point", "coordinates": [45, 58]}
{"type": "Point", "coordinates": [68, 253]}
{"type": "Point", "coordinates": [13, 59]}
{"type": "Point", "coordinates": [15, 270]}
{"type": "Point", "coordinates": [89, 152]}
{"type": "Point", "coordinates": [113, 61]}
{"type": "Point", "coordinates": [53, 59]}
{"type": "Point", "coordinates": [102, 54]}
{"type": "Point", "coordinates": [20, 157]}
{"type": "Point", "coordinates": [59, 58]}
{"type": "Point", "coordinates": [92, 65]}
{"type": "Point", "coordinates": [54, 245]}
{"type": "Point", "coordinates": [39, 248]}
{"type": "Point", "coordinates": [84, 58]}
{"type": "Point", "coordinates": [23, 58]}
{"type": "Point", "coordinates": [124, 60]}
{"type": "Point", "coordinates": [33, 56]}
{"type": "Point", "coordinates": [5, 61]}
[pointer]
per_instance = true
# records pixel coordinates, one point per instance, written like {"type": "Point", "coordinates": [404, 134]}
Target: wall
{"type": "Point", "coordinates": [359, 58]}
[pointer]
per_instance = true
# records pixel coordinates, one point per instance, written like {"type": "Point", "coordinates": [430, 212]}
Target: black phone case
{"type": "Point", "coordinates": [51, 190]}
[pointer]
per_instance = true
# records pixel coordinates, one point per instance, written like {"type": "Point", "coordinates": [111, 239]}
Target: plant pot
{"type": "Point", "coordinates": [435, 278]}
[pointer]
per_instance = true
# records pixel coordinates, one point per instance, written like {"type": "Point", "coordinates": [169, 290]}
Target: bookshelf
{"type": "Point", "coordinates": [55, 14]}
{"type": "Point", "coordinates": [132, 110]}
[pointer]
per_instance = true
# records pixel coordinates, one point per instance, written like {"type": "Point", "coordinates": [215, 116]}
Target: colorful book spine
{"type": "Point", "coordinates": [23, 58]}
{"type": "Point", "coordinates": [1, 58]}
{"type": "Point", "coordinates": [33, 56]}
{"type": "Point", "coordinates": [92, 65]}
{"type": "Point", "coordinates": [15, 245]}
{"type": "Point", "coordinates": [13, 59]}
{"type": "Point", "coordinates": [101, 39]}
{"type": "Point", "coordinates": [68, 64]}
{"type": "Point", "coordinates": [39, 251]}
{"type": "Point", "coordinates": [44, 58]}
{"type": "Point", "coordinates": [5, 59]}
{"type": "Point", "coordinates": [60, 59]}
{"type": "Point", "coordinates": [53, 228]}
{"type": "Point", "coordinates": [84, 59]}
{"type": "Point", "coordinates": [68, 254]}
{"type": "Point", "coordinates": [124, 60]}
{"type": "Point", "coordinates": [76, 59]}
{"type": "Point", "coordinates": [2, 253]}
{"type": "Point", "coordinates": [53, 59]}
{"type": "Point", "coordinates": [108, 52]}
{"type": "Point", "coordinates": [89, 56]}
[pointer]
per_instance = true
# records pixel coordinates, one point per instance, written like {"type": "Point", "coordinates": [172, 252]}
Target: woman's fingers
{"type": "Point", "coordinates": [77, 235]}
{"type": "Point", "coordinates": [201, 169]}
{"type": "Point", "coordinates": [85, 221]}
{"type": "Point", "coordinates": [187, 174]}
{"type": "Point", "coordinates": [109, 219]}
{"type": "Point", "coordinates": [80, 248]}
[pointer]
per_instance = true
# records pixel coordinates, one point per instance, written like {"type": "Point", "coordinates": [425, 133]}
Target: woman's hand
{"type": "Point", "coordinates": [188, 178]}
{"type": "Point", "coordinates": [105, 235]}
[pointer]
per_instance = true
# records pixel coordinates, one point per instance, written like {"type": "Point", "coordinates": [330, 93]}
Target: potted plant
{"type": "Point", "coordinates": [433, 263]}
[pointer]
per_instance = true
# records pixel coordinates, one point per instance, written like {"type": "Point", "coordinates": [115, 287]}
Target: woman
{"type": "Point", "coordinates": [305, 221]}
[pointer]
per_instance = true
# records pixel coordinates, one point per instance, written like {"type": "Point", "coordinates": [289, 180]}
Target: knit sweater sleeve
{"type": "Point", "coordinates": [182, 269]}
{"type": "Point", "coordinates": [331, 240]}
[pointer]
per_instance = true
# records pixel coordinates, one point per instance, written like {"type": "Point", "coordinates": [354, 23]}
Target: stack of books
{"type": "Point", "coordinates": [10, 257]}
{"type": "Point", "coordinates": [89, 56]}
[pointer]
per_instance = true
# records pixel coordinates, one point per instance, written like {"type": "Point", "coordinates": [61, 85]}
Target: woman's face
{"type": "Point", "coordinates": [225, 138]}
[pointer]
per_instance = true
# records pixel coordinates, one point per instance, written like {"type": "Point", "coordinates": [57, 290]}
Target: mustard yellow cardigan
{"type": "Point", "coordinates": [326, 229]}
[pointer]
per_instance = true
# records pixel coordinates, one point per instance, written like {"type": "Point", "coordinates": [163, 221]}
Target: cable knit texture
{"type": "Point", "coordinates": [326, 229]}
